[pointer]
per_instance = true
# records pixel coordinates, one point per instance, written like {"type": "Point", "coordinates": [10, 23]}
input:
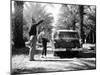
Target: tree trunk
{"type": "Point", "coordinates": [74, 22]}
{"type": "Point", "coordinates": [81, 9]}
{"type": "Point", "coordinates": [18, 21]}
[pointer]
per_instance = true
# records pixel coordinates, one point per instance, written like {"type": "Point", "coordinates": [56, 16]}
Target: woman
{"type": "Point", "coordinates": [44, 39]}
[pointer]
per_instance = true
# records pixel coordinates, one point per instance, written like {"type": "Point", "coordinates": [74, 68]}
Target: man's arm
{"type": "Point", "coordinates": [39, 22]}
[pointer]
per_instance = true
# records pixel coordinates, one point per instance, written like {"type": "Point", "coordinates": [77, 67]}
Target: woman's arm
{"type": "Point", "coordinates": [31, 37]}
{"type": "Point", "coordinates": [39, 36]}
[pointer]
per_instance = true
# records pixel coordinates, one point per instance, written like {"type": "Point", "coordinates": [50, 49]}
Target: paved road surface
{"type": "Point", "coordinates": [21, 64]}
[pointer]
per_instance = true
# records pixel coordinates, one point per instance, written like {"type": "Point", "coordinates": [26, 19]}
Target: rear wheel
{"type": "Point", "coordinates": [77, 44]}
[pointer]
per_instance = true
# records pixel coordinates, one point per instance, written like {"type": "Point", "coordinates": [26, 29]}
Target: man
{"type": "Point", "coordinates": [33, 39]}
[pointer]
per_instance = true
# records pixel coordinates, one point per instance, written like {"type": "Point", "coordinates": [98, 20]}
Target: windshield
{"type": "Point", "coordinates": [68, 35]}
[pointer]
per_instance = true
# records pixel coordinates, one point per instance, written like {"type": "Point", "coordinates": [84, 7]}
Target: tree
{"type": "Point", "coordinates": [81, 11]}
{"type": "Point", "coordinates": [68, 17]}
{"type": "Point", "coordinates": [78, 17]}
{"type": "Point", "coordinates": [37, 12]}
{"type": "Point", "coordinates": [90, 23]}
{"type": "Point", "coordinates": [18, 25]}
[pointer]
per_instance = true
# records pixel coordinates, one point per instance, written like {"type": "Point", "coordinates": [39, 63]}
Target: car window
{"type": "Point", "coordinates": [68, 35]}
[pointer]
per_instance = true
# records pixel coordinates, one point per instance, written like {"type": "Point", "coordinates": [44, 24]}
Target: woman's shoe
{"type": "Point", "coordinates": [42, 56]}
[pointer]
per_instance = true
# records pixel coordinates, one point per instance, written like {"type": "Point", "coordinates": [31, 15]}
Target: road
{"type": "Point", "coordinates": [21, 63]}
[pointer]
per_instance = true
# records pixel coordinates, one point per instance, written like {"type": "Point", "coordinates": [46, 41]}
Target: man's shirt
{"type": "Point", "coordinates": [33, 30]}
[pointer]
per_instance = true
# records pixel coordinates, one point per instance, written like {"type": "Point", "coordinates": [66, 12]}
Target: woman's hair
{"type": "Point", "coordinates": [33, 20]}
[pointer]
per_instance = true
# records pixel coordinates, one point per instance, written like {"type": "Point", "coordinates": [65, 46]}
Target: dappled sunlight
{"type": "Point", "coordinates": [21, 64]}
{"type": "Point", "coordinates": [64, 52]}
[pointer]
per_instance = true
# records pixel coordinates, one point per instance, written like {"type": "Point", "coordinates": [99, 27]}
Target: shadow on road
{"type": "Point", "coordinates": [25, 50]}
{"type": "Point", "coordinates": [28, 71]}
{"type": "Point", "coordinates": [18, 51]}
{"type": "Point", "coordinates": [71, 54]}
{"type": "Point", "coordinates": [61, 54]}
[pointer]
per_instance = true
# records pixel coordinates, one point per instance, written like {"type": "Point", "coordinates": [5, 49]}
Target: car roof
{"type": "Point", "coordinates": [66, 31]}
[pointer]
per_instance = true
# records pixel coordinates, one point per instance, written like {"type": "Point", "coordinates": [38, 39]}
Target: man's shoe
{"type": "Point", "coordinates": [32, 60]}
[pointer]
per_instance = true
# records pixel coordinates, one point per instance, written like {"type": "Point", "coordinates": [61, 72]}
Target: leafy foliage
{"type": "Point", "coordinates": [69, 16]}
{"type": "Point", "coordinates": [37, 12]}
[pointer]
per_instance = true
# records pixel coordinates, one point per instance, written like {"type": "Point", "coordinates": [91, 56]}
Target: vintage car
{"type": "Point", "coordinates": [67, 39]}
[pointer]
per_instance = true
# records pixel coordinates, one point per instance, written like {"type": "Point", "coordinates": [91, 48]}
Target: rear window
{"type": "Point", "coordinates": [68, 35]}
